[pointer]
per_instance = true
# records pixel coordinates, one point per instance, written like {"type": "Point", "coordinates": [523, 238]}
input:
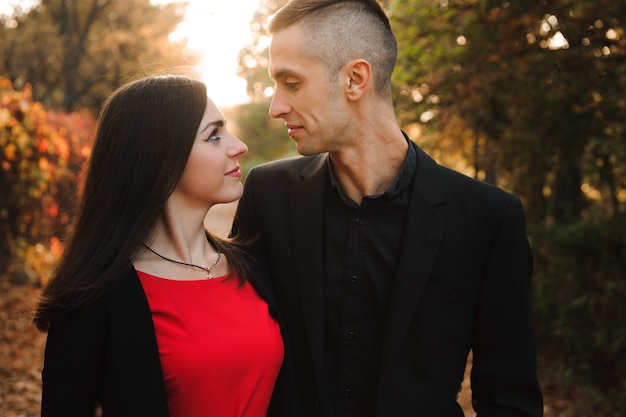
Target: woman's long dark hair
{"type": "Point", "coordinates": [144, 137]}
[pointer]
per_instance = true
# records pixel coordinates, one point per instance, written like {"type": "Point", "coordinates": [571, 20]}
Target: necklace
{"type": "Point", "coordinates": [207, 269]}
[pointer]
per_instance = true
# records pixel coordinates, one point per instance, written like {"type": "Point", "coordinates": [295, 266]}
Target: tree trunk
{"type": "Point", "coordinates": [568, 201]}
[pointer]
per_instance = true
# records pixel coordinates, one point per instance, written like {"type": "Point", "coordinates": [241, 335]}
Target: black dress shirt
{"type": "Point", "coordinates": [361, 244]}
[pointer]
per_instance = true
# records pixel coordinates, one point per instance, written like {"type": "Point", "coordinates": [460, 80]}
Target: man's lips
{"type": "Point", "coordinates": [291, 129]}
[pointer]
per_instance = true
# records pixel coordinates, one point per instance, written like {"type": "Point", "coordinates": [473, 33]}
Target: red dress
{"type": "Point", "coordinates": [220, 349]}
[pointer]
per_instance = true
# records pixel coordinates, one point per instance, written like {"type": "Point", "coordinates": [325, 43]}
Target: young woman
{"type": "Point", "coordinates": [148, 313]}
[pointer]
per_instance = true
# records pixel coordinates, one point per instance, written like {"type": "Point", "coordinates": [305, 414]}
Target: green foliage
{"type": "Point", "coordinates": [579, 295]}
{"type": "Point", "coordinates": [75, 53]}
{"type": "Point", "coordinates": [489, 82]}
{"type": "Point", "coordinates": [42, 154]}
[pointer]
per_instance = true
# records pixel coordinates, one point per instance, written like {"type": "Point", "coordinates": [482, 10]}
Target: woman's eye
{"type": "Point", "coordinates": [213, 136]}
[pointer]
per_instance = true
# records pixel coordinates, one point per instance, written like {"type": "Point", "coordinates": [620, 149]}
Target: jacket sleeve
{"type": "Point", "coordinates": [504, 372]}
{"type": "Point", "coordinates": [73, 364]}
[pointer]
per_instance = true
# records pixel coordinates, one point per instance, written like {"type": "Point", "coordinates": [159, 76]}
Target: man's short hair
{"type": "Point", "coordinates": [336, 32]}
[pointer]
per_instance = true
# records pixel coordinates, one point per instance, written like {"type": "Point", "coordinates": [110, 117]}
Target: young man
{"type": "Point", "coordinates": [387, 267]}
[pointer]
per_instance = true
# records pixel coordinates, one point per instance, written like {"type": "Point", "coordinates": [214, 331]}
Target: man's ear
{"type": "Point", "coordinates": [358, 77]}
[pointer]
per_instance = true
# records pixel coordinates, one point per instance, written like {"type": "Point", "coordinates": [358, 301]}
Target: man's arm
{"type": "Point", "coordinates": [504, 372]}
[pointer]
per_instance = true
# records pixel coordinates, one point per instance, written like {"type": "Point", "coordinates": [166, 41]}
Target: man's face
{"type": "Point", "coordinates": [314, 109]}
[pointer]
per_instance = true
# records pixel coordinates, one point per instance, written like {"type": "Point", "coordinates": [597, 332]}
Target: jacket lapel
{"type": "Point", "coordinates": [306, 208]}
{"type": "Point", "coordinates": [423, 230]}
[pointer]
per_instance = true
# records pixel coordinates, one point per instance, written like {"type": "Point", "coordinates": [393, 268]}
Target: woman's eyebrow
{"type": "Point", "coordinates": [218, 123]}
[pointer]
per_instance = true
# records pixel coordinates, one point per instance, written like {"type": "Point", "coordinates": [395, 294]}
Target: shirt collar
{"type": "Point", "coordinates": [400, 183]}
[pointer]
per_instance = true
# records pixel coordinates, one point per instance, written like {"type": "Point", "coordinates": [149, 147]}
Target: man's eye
{"type": "Point", "coordinates": [291, 82]}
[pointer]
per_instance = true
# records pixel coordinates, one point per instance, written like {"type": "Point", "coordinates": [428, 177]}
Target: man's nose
{"type": "Point", "coordinates": [278, 106]}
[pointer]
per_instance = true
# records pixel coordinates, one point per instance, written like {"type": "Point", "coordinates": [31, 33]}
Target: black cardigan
{"type": "Point", "coordinates": [107, 354]}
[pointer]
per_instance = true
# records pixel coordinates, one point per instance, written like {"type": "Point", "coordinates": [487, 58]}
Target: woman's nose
{"type": "Point", "coordinates": [239, 148]}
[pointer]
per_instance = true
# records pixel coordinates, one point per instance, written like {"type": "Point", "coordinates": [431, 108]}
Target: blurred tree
{"type": "Point", "coordinates": [266, 138]}
{"type": "Point", "coordinates": [529, 92]}
{"type": "Point", "coordinates": [42, 153]}
{"type": "Point", "coordinates": [74, 53]}
{"type": "Point", "coordinates": [254, 58]}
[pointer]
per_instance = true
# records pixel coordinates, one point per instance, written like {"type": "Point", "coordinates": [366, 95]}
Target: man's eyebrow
{"type": "Point", "coordinates": [281, 74]}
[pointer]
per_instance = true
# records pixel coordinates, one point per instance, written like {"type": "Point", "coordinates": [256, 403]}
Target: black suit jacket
{"type": "Point", "coordinates": [462, 282]}
{"type": "Point", "coordinates": [108, 354]}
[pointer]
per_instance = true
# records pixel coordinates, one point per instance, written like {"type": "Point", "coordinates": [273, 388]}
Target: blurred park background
{"type": "Point", "coordinates": [529, 95]}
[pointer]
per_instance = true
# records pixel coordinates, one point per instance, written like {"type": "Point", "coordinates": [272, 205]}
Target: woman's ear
{"type": "Point", "coordinates": [358, 76]}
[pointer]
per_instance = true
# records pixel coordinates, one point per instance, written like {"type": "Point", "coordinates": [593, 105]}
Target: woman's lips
{"type": "Point", "coordinates": [235, 172]}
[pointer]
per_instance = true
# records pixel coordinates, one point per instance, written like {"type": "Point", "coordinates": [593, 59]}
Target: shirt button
{"type": "Point", "coordinates": [354, 279]}
{"type": "Point", "coordinates": [351, 335]}
{"type": "Point", "coordinates": [347, 392]}
{"type": "Point", "coordinates": [358, 221]}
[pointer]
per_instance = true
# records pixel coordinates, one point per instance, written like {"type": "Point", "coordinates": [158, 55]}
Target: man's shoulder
{"type": "Point", "coordinates": [455, 184]}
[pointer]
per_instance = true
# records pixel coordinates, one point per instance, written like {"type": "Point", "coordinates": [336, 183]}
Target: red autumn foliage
{"type": "Point", "coordinates": [43, 152]}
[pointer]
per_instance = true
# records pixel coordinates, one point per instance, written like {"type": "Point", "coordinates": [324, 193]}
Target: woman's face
{"type": "Point", "coordinates": [212, 174]}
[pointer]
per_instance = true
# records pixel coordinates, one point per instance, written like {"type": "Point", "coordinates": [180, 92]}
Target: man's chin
{"type": "Point", "coordinates": [305, 151]}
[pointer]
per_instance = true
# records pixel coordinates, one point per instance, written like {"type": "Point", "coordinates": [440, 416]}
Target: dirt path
{"type": "Point", "coordinates": [21, 354]}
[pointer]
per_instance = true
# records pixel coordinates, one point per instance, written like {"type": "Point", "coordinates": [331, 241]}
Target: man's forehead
{"type": "Point", "coordinates": [278, 73]}
{"type": "Point", "coordinates": [285, 65]}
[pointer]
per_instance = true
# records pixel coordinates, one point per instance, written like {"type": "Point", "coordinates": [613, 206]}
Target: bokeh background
{"type": "Point", "coordinates": [529, 95]}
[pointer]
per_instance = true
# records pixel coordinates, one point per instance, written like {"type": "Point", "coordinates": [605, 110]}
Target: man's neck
{"type": "Point", "coordinates": [371, 167]}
